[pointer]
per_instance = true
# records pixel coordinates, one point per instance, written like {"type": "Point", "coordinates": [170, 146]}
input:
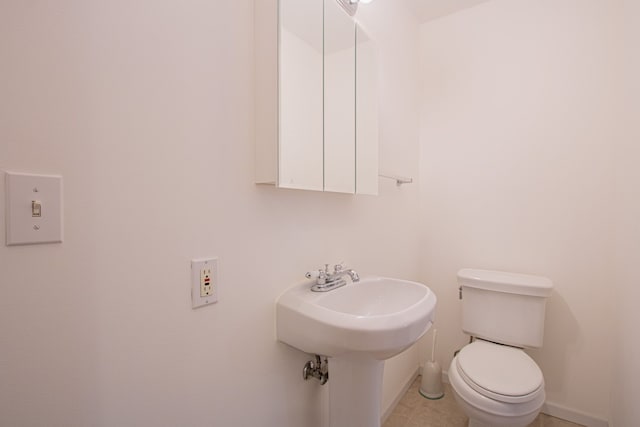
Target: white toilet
{"type": "Point", "coordinates": [494, 381]}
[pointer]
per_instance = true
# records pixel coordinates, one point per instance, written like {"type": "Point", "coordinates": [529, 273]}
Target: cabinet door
{"type": "Point", "coordinates": [300, 94]}
{"type": "Point", "coordinates": [339, 100]}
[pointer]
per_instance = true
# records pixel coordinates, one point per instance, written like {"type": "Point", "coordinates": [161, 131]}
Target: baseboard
{"type": "Point", "coordinates": [572, 415]}
{"type": "Point", "coordinates": [562, 412]}
{"type": "Point", "coordinates": [400, 395]}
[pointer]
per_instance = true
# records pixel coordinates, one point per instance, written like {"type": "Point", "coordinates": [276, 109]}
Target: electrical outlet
{"type": "Point", "coordinates": [204, 281]}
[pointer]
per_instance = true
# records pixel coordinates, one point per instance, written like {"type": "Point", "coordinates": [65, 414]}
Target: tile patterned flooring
{"type": "Point", "coordinates": [413, 410]}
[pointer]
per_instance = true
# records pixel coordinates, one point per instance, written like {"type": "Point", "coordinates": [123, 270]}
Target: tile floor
{"type": "Point", "coordinates": [413, 410]}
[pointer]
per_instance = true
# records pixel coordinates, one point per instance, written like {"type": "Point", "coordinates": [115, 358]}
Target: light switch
{"type": "Point", "coordinates": [33, 208]}
{"type": "Point", "coordinates": [36, 209]}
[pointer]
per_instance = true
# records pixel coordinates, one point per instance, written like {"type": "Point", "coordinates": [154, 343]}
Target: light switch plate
{"type": "Point", "coordinates": [204, 281]}
{"type": "Point", "coordinates": [33, 208]}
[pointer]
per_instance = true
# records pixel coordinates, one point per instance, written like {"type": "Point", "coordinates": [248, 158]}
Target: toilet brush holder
{"type": "Point", "coordinates": [431, 386]}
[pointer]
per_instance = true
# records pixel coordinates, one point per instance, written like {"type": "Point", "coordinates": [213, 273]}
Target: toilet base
{"type": "Point", "coordinates": [479, 418]}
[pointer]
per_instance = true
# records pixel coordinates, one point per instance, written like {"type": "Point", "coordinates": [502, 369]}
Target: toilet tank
{"type": "Point", "coordinates": [507, 308]}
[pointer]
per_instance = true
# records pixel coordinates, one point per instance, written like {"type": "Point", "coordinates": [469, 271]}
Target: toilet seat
{"type": "Point", "coordinates": [499, 372]}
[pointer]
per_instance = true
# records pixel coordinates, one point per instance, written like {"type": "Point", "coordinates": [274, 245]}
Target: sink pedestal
{"type": "Point", "coordinates": [355, 391]}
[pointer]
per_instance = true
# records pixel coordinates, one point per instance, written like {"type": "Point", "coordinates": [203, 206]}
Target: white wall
{"type": "Point", "coordinates": [626, 361]}
{"type": "Point", "coordinates": [146, 108]}
{"type": "Point", "coordinates": [518, 124]}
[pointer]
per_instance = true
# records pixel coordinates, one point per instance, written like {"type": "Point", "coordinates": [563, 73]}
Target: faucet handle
{"type": "Point", "coordinates": [316, 274]}
{"type": "Point", "coordinates": [338, 267]}
{"type": "Point", "coordinates": [312, 274]}
{"type": "Point", "coordinates": [319, 275]}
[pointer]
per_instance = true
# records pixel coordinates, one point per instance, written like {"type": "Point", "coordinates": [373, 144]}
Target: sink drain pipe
{"type": "Point", "coordinates": [317, 370]}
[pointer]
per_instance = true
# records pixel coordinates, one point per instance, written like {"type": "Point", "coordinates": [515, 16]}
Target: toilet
{"type": "Point", "coordinates": [493, 380]}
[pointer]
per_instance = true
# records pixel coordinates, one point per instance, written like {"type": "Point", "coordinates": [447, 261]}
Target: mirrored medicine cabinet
{"type": "Point", "coordinates": [316, 98]}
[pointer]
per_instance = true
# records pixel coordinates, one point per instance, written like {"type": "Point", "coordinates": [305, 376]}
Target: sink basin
{"type": "Point", "coordinates": [376, 316]}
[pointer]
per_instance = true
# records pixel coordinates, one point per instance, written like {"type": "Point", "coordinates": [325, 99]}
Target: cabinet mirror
{"type": "Point", "coordinates": [316, 111]}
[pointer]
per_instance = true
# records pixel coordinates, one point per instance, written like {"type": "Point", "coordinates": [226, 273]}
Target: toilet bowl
{"type": "Point", "coordinates": [496, 385]}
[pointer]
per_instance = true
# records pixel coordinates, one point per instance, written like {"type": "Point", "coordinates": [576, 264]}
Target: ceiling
{"type": "Point", "coordinates": [427, 10]}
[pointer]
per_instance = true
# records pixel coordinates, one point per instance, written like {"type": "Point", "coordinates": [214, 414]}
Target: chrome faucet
{"type": "Point", "coordinates": [326, 280]}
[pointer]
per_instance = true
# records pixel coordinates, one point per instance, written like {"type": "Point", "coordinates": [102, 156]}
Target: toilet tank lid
{"type": "Point", "coordinates": [500, 281]}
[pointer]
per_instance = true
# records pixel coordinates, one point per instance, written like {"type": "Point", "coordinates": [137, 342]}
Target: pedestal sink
{"type": "Point", "coordinates": [357, 327]}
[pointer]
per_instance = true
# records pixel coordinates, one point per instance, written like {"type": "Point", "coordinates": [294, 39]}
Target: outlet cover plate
{"type": "Point", "coordinates": [198, 298]}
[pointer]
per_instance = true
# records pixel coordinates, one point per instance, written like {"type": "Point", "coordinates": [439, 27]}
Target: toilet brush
{"type": "Point", "coordinates": [431, 386]}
